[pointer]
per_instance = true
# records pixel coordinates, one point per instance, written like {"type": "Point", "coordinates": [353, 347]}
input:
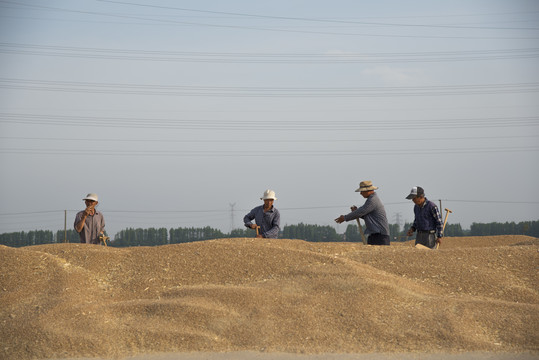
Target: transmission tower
{"type": "Point", "coordinates": [398, 219]}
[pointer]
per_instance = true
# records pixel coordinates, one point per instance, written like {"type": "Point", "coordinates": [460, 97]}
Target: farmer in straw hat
{"type": "Point", "coordinates": [267, 217]}
{"type": "Point", "coordinates": [374, 214]}
{"type": "Point", "coordinates": [89, 223]}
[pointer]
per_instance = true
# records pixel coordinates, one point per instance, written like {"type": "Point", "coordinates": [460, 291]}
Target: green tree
{"type": "Point", "coordinates": [241, 233]}
{"type": "Point", "coordinates": [315, 233]}
{"type": "Point", "coordinates": [72, 236]}
{"type": "Point", "coordinates": [352, 234]}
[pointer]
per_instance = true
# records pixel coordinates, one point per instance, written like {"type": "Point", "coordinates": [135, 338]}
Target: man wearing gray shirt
{"type": "Point", "coordinates": [89, 223]}
{"type": "Point", "coordinates": [374, 214]}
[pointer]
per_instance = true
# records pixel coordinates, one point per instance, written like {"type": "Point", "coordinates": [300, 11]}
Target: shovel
{"type": "Point", "coordinates": [447, 211]}
{"type": "Point", "coordinates": [360, 228]}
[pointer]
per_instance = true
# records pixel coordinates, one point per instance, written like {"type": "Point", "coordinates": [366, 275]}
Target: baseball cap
{"type": "Point", "coordinates": [416, 191]}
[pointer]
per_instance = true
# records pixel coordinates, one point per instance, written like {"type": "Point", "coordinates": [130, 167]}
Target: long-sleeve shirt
{"type": "Point", "coordinates": [374, 214]}
{"type": "Point", "coordinates": [268, 221]}
{"type": "Point", "coordinates": [93, 226]}
{"type": "Point", "coordinates": [428, 218]}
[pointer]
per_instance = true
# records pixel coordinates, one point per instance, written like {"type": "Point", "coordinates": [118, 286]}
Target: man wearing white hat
{"type": "Point", "coordinates": [374, 214]}
{"type": "Point", "coordinates": [90, 223]}
{"type": "Point", "coordinates": [267, 217]}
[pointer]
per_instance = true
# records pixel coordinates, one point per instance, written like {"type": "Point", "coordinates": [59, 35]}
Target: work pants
{"type": "Point", "coordinates": [378, 239]}
{"type": "Point", "coordinates": [426, 238]}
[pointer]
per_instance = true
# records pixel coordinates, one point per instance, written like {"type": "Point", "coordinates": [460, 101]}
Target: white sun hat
{"type": "Point", "coordinates": [268, 194]}
{"type": "Point", "coordinates": [91, 196]}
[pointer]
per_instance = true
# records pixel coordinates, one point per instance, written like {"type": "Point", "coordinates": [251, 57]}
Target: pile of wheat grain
{"type": "Point", "coordinates": [69, 300]}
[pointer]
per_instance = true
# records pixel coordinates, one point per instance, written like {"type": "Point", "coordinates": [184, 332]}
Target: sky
{"type": "Point", "coordinates": [182, 113]}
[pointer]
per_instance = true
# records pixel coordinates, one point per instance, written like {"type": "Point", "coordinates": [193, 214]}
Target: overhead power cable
{"type": "Point", "coordinates": [428, 35]}
{"type": "Point", "coordinates": [303, 19]}
{"type": "Point", "coordinates": [249, 57]}
{"type": "Point", "coordinates": [212, 211]}
{"type": "Point", "coordinates": [277, 124]}
{"type": "Point", "coordinates": [257, 91]}
{"type": "Point", "coordinates": [258, 141]}
{"type": "Point", "coordinates": [273, 153]}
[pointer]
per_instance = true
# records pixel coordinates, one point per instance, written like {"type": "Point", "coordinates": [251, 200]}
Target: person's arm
{"type": "Point", "coordinates": [79, 225]}
{"type": "Point", "coordinates": [248, 218]}
{"type": "Point", "coordinates": [80, 221]}
{"type": "Point", "coordinates": [360, 212]}
{"type": "Point", "coordinates": [438, 220]}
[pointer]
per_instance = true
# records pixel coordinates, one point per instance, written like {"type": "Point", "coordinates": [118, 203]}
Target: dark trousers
{"type": "Point", "coordinates": [378, 239]}
{"type": "Point", "coordinates": [427, 239]}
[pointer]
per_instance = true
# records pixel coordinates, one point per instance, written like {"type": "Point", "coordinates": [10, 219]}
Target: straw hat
{"type": "Point", "coordinates": [366, 186]}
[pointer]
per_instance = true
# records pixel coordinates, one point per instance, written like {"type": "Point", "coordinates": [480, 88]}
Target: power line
{"type": "Point", "coordinates": [273, 153]}
{"type": "Point", "coordinates": [240, 27]}
{"type": "Point", "coordinates": [280, 208]}
{"type": "Point", "coordinates": [277, 124]}
{"type": "Point", "coordinates": [248, 57]}
{"type": "Point", "coordinates": [494, 201]}
{"type": "Point", "coordinates": [348, 22]}
{"type": "Point", "coordinates": [257, 141]}
{"type": "Point", "coordinates": [258, 91]}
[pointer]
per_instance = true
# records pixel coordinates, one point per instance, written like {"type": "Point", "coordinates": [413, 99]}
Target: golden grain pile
{"type": "Point", "coordinates": [68, 300]}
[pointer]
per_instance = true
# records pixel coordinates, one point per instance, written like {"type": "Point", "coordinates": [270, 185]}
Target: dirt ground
{"type": "Point", "coordinates": [474, 295]}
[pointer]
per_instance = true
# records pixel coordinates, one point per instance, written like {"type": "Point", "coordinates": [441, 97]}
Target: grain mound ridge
{"type": "Point", "coordinates": [69, 300]}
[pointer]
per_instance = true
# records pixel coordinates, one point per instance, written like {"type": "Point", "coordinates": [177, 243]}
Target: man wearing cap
{"type": "Point", "coordinates": [428, 221]}
{"type": "Point", "coordinates": [90, 223]}
{"type": "Point", "coordinates": [374, 214]}
{"type": "Point", "coordinates": [267, 217]}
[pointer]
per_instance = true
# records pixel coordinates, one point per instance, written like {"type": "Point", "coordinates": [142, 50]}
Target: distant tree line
{"type": "Point", "coordinates": [36, 237]}
{"type": "Point", "coordinates": [141, 237]}
{"type": "Point", "coordinates": [308, 232]}
{"type": "Point", "coordinates": [315, 233]}
{"type": "Point", "coordinates": [530, 228]}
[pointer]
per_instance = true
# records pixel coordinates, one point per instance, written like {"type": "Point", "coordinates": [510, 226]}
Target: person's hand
{"type": "Point", "coordinates": [89, 210]}
{"type": "Point", "coordinates": [340, 219]}
{"type": "Point", "coordinates": [353, 208]}
{"type": "Point", "coordinates": [439, 241]}
{"type": "Point", "coordinates": [253, 226]}
{"type": "Point", "coordinates": [410, 232]}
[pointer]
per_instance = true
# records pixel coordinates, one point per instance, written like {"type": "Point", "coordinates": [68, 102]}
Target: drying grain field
{"type": "Point", "coordinates": [254, 297]}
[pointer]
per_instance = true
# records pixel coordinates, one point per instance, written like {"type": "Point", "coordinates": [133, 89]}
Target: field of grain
{"type": "Point", "coordinates": [474, 294]}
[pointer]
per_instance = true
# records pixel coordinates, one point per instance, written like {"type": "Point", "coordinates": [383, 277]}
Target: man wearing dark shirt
{"type": "Point", "coordinates": [428, 222]}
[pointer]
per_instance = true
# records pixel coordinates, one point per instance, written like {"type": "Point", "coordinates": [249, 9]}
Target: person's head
{"type": "Point", "coordinates": [269, 198]}
{"type": "Point", "coordinates": [417, 195]}
{"type": "Point", "coordinates": [91, 200]}
{"type": "Point", "coordinates": [366, 188]}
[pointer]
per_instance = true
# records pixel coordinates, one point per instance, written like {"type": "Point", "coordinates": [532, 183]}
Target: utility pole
{"type": "Point", "coordinates": [65, 226]}
{"type": "Point", "coordinates": [232, 216]}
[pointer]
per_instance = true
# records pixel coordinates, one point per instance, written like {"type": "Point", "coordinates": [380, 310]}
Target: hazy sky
{"type": "Point", "coordinates": [177, 112]}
